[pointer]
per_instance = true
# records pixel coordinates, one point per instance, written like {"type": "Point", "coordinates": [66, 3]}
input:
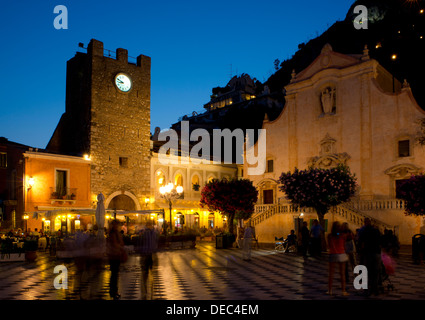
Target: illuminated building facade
{"type": "Point", "coordinates": [344, 109]}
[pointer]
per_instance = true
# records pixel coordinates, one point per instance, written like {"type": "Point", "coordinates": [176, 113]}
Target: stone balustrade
{"type": "Point", "coordinates": [351, 212]}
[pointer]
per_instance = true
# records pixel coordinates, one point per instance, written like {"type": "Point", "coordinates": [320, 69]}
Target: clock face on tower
{"type": "Point", "coordinates": [123, 82]}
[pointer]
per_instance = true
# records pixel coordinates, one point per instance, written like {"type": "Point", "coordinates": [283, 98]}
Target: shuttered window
{"type": "Point", "coordinates": [404, 148]}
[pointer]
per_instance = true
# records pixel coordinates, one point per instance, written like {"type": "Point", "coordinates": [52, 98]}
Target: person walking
{"type": "Point", "coordinates": [305, 239]}
{"type": "Point", "coordinates": [337, 256]}
{"type": "Point", "coordinates": [147, 247]}
{"type": "Point", "coordinates": [247, 239]}
{"type": "Point", "coordinates": [115, 249]}
{"type": "Point", "coordinates": [370, 255]}
{"type": "Point", "coordinates": [350, 249]}
{"type": "Point", "coordinates": [316, 238]}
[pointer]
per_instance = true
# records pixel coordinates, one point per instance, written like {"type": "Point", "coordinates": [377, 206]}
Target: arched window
{"type": "Point", "coordinates": [179, 220]}
{"type": "Point", "coordinates": [178, 180]}
{"type": "Point", "coordinates": [211, 220]}
{"type": "Point", "coordinates": [195, 183]}
{"type": "Point", "coordinates": [196, 220]}
{"type": "Point", "coordinates": [160, 178]}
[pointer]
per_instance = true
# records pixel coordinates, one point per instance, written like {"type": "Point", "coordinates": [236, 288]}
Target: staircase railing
{"type": "Point", "coordinates": [354, 216]}
{"type": "Point", "coordinates": [384, 204]}
{"type": "Point", "coordinates": [352, 212]}
{"type": "Point", "coordinates": [263, 213]}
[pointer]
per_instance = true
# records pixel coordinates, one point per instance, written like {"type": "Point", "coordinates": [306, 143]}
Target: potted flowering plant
{"type": "Point", "coordinates": [54, 195]}
{"type": "Point", "coordinates": [319, 188]}
{"type": "Point", "coordinates": [412, 191]}
{"type": "Point", "coordinates": [30, 247]}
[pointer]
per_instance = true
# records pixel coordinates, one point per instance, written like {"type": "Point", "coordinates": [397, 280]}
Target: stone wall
{"type": "Point", "coordinates": [120, 124]}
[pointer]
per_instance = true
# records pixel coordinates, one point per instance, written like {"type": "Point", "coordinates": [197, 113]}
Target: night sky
{"type": "Point", "coordinates": [194, 46]}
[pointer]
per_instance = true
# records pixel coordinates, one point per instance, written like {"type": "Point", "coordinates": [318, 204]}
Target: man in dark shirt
{"type": "Point", "coordinates": [370, 255]}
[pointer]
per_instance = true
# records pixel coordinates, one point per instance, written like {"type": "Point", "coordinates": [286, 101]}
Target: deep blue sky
{"type": "Point", "coordinates": [194, 46]}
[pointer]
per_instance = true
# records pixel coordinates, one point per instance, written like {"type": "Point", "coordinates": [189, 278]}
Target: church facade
{"type": "Point", "coordinates": [343, 109]}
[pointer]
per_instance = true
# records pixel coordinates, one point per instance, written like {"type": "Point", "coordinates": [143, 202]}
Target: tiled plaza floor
{"type": "Point", "coordinates": [203, 273]}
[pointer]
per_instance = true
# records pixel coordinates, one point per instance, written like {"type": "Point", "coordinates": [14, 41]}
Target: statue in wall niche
{"type": "Point", "coordinates": [327, 98]}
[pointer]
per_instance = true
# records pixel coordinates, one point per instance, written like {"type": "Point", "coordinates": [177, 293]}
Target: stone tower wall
{"type": "Point", "coordinates": [120, 124]}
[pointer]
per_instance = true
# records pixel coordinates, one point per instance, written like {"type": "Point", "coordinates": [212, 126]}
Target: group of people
{"type": "Point", "coordinates": [348, 249]}
{"type": "Point", "coordinates": [366, 247]}
{"type": "Point", "coordinates": [310, 240]}
{"type": "Point", "coordinates": [147, 245]}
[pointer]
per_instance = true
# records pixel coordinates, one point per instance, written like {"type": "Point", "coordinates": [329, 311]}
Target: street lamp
{"type": "Point", "coordinates": [169, 192]}
{"type": "Point", "coordinates": [31, 182]}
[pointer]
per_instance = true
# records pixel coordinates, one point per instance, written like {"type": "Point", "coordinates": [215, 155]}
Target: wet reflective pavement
{"type": "Point", "coordinates": [203, 273]}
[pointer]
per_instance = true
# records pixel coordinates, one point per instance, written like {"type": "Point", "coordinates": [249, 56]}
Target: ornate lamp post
{"type": "Point", "coordinates": [169, 192]}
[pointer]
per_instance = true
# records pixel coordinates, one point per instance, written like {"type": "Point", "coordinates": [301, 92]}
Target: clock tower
{"type": "Point", "coordinates": [107, 117]}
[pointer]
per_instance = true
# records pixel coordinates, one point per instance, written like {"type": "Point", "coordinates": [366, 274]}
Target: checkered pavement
{"type": "Point", "coordinates": [203, 273]}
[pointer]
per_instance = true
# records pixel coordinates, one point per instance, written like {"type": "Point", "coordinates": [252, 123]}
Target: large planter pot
{"type": "Point", "coordinates": [30, 256]}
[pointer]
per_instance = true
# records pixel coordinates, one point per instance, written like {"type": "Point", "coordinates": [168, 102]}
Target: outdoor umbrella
{"type": "Point", "coordinates": [100, 215]}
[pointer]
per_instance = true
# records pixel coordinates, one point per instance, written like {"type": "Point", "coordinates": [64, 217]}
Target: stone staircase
{"type": "Point", "coordinates": [353, 212]}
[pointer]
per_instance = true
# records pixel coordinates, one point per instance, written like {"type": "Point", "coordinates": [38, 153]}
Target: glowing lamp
{"type": "Point", "coordinates": [31, 182]}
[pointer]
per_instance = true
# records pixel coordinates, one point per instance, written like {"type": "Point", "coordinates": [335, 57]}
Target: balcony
{"type": "Point", "coordinates": [68, 196]}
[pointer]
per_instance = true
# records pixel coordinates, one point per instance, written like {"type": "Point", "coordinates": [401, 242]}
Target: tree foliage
{"type": "Point", "coordinates": [413, 192]}
{"type": "Point", "coordinates": [319, 188]}
{"type": "Point", "coordinates": [233, 198]}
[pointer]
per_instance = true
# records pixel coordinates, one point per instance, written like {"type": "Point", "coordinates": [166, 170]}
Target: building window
{"type": "Point", "coordinates": [211, 221]}
{"type": "Point", "coordinates": [404, 148]}
{"type": "Point", "coordinates": [196, 220]}
{"type": "Point", "coordinates": [178, 180]}
{"type": "Point", "coordinates": [160, 178]}
{"type": "Point", "coordinates": [123, 162]}
{"type": "Point", "coordinates": [195, 183]}
{"type": "Point", "coordinates": [3, 160]}
{"type": "Point", "coordinates": [267, 196]}
{"type": "Point", "coordinates": [61, 182]}
{"type": "Point", "coordinates": [270, 166]}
